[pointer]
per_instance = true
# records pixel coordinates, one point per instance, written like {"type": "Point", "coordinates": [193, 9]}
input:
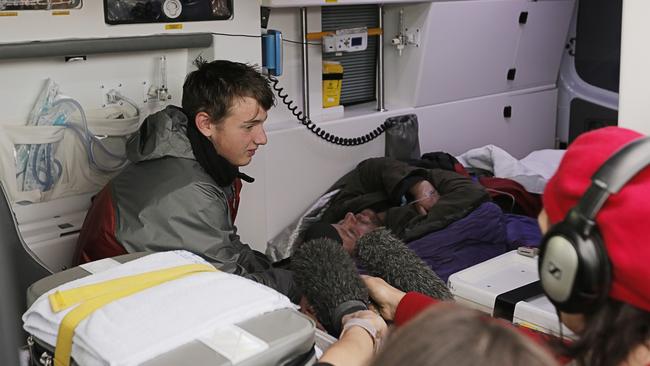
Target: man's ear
{"type": "Point", "coordinates": [543, 221]}
{"type": "Point", "coordinates": [204, 124]}
{"type": "Point", "coordinates": [307, 309]}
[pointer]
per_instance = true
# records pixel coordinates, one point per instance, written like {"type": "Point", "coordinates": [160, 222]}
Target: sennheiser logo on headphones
{"type": "Point", "coordinates": [554, 271]}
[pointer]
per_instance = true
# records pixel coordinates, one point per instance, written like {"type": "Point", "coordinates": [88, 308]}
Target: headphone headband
{"type": "Point", "coordinates": [619, 169]}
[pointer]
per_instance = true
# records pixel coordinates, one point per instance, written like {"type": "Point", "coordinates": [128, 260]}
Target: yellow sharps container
{"type": "Point", "coordinates": [332, 82]}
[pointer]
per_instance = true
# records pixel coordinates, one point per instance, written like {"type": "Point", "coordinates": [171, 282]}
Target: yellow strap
{"type": "Point", "coordinates": [61, 300]}
{"type": "Point", "coordinates": [92, 297]}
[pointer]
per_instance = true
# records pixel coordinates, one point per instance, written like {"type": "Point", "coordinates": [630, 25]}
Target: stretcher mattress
{"type": "Point", "coordinates": [286, 336]}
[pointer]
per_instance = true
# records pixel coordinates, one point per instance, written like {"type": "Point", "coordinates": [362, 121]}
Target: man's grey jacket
{"type": "Point", "coordinates": [165, 200]}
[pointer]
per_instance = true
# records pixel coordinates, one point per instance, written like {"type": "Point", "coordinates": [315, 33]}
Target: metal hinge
{"type": "Point", "coordinates": [44, 360]}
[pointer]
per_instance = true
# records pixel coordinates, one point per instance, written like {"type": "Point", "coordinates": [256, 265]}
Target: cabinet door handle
{"type": "Point", "coordinates": [507, 111]}
{"type": "Point", "coordinates": [511, 74]}
{"type": "Point", "coordinates": [523, 17]}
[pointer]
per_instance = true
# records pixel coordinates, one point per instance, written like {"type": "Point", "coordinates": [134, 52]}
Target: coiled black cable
{"type": "Point", "coordinates": [311, 126]}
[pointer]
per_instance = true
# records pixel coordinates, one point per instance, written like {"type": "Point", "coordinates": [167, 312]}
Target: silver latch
{"type": "Point", "coordinates": [528, 251]}
{"type": "Point", "coordinates": [46, 359]}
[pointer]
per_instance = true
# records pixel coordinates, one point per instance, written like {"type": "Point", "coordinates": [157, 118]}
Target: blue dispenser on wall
{"type": "Point", "coordinates": [272, 52]}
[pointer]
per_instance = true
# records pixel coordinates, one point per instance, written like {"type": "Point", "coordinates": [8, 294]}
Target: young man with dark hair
{"type": "Point", "coordinates": [181, 190]}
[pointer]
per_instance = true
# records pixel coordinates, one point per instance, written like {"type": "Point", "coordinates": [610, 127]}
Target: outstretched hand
{"type": "Point", "coordinates": [425, 196]}
{"type": "Point", "coordinates": [385, 296]}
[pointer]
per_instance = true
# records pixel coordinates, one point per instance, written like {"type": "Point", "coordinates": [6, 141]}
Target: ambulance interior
{"type": "Point", "coordinates": [507, 73]}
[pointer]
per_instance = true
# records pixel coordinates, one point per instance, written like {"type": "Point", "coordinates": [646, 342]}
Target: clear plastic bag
{"type": "Point", "coordinates": [31, 160]}
{"type": "Point", "coordinates": [63, 150]}
{"type": "Point", "coordinates": [35, 146]}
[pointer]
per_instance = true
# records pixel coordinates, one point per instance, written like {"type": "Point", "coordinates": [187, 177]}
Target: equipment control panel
{"type": "Point", "coordinates": [346, 40]}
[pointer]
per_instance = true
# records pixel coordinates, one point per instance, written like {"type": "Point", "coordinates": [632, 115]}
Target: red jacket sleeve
{"type": "Point", "coordinates": [412, 304]}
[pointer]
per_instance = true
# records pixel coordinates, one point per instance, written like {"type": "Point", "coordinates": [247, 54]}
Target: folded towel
{"type": "Point", "coordinates": [139, 327]}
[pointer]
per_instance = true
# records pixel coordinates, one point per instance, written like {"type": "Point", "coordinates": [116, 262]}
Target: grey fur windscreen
{"type": "Point", "coordinates": [328, 279]}
{"type": "Point", "coordinates": [385, 256]}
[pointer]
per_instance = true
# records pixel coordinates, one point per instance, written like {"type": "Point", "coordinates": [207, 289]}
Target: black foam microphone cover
{"type": "Point", "coordinates": [329, 280]}
{"type": "Point", "coordinates": [385, 256]}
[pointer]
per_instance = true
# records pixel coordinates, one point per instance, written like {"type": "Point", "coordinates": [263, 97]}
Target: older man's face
{"type": "Point", "coordinates": [353, 226]}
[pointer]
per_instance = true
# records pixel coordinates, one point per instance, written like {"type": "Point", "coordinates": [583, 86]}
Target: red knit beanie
{"type": "Point", "coordinates": [624, 220]}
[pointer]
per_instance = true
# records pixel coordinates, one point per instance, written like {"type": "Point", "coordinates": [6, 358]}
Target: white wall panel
{"type": "Point", "coordinates": [634, 109]}
{"type": "Point", "coordinates": [470, 45]}
{"type": "Point", "coordinates": [402, 72]}
{"type": "Point", "coordinates": [466, 48]}
{"type": "Point", "coordinates": [540, 48]}
{"type": "Point", "coordinates": [459, 126]}
{"type": "Point", "coordinates": [288, 22]}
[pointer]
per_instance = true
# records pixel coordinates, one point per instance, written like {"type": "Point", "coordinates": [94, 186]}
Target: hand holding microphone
{"type": "Point", "coordinates": [370, 321]}
{"type": "Point", "coordinates": [329, 280]}
{"type": "Point", "coordinates": [384, 296]}
{"type": "Point", "coordinates": [385, 256]}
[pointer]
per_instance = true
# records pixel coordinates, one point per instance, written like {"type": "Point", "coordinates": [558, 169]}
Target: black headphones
{"type": "Point", "coordinates": [574, 269]}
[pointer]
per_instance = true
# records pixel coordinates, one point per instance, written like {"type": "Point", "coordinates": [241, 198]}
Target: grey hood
{"type": "Point", "coordinates": [161, 134]}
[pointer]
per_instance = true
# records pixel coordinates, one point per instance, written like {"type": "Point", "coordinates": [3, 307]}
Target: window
{"type": "Point", "coordinates": [598, 43]}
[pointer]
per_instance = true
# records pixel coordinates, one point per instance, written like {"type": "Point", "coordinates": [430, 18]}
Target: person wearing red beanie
{"type": "Point", "coordinates": [617, 332]}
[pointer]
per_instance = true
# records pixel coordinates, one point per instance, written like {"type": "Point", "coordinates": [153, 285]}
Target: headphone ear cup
{"type": "Point", "coordinates": [559, 264]}
{"type": "Point", "coordinates": [574, 271]}
{"type": "Point", "coordinates": [595, 277]}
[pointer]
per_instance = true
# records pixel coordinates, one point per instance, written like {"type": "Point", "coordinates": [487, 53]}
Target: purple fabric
{"type": "Point", "coordinates": [479, 236]}
{"type": "Point", "coordinates": [473, 239]}
{"type": "Point", "coordinates": [522, 231]}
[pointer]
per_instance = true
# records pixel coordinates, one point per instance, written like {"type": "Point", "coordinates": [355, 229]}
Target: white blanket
{"type": "Point", "coordinates": [532, 172]}
{"type": "Point", "coordinates": [136, 328]}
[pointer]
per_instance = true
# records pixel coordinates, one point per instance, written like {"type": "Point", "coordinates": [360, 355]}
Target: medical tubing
{"type": "Point", "coordinates": [121, 96]}
{"type": "Point", "coordinates": [35, 155]}
{"type": "Point", "coordinates": [311, 126]}
{"type": "Point", "coordinates": [48, 158]}
{"type": "Point", "coordinates": [89, 140]}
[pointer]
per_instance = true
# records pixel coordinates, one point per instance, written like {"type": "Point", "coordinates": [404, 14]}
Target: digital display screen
{"type": "Point", "coordinates": [356, 41]}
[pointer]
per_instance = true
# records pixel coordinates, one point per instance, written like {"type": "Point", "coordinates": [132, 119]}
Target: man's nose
{"type": "Point", "coordinates": [350, 218]}
{"type": "Point", "coordinates": [260, 136]}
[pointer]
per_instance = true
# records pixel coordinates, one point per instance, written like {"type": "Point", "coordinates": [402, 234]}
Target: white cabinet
{"type": "Point", "coordinates": [468, 49]}
{"type": "Point", "coordinates": [455, 126]}
{"type": "Point", "coordinates": [540, 47]}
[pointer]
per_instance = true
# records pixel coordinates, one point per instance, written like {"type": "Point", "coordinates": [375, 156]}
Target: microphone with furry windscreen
{"type": "Point", "coordinates": [329, 280]}
{"type": "Point", "coordinates": [385, 256]}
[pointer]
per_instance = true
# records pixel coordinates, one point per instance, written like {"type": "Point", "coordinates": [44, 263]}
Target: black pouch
{"type": "Point", "coordinates": [402, 141]}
